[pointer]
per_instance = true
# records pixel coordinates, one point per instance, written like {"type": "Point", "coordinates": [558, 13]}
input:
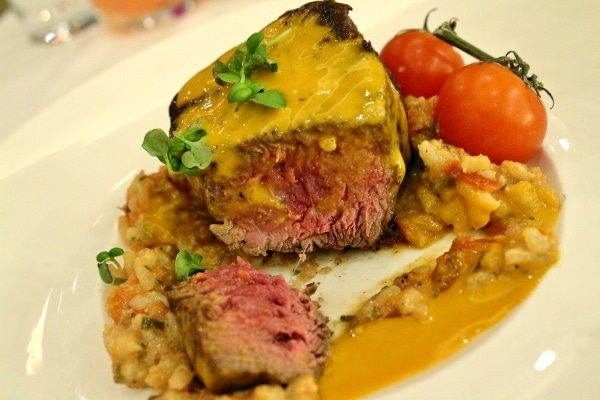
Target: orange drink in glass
{"type": "Point", "coordinates": [141, 14]}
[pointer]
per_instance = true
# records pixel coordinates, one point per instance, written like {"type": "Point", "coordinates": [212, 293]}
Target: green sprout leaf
{"type": "Point", "coordinates": [229, 77]}
{"type": "Point", "coordinates": [239, 93]}
{"type": "Point", "coordinates": [253, 42]}
{"type": "Point", "coordinates": [152, 323]}
{"type": "Point", "coordinates": [218, 69]}
{"type": "Point", "coordinates": [106, 261]}
{"type": "Point", "coordinates": [188, 264]}
{"type": "Point", "coordinates": [157, 144]}
{"type": "Point", "coordinates": [251, 56]}
{"type": "Point", "coordinates": [272, 98]}
{"type": "Point", "coordinates": [185, 152]}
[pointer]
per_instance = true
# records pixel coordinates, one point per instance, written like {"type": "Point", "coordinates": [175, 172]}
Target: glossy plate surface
{"type": "Point", "coordinates": [60, 188]}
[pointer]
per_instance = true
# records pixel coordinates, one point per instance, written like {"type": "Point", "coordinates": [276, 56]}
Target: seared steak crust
{"type": "Point", "coordinates": [332, 14]}
{"type": "Point", "coordinates": [242, 327]}
{"type": "Point", "coordinates": [324, 171]}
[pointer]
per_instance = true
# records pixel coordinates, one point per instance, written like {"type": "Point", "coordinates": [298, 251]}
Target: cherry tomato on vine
{"type": "Point", "coordinates": [420, 62]}
{"type": "Point", "coordinates": [486, 109]}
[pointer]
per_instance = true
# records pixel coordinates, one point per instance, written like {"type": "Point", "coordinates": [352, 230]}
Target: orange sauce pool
{"type": "Point", "coordinates": [386, 351]}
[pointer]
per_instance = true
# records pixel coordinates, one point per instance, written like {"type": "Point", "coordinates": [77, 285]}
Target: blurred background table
{"type": "Point", "coordinates": [34, 75]}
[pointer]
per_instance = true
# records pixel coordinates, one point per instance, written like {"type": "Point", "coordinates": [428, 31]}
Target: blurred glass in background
{"type": "Point", "coordinates": [54, 21]}
{"type": "Point", "coordinates": [141, 14]}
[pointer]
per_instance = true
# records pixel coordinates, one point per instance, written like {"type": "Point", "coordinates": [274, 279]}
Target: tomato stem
{"type": "Point", "coordinates": [447, 32]}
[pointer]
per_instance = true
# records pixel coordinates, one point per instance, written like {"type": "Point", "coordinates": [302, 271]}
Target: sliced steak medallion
{"type": "Point", "coordinates": [242, 327]}
{"type": "Point", "coordinates": [322, 172]}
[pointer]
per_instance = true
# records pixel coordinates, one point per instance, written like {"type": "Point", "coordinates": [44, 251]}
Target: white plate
{"type": "Point", "coordinates": [64, 173]}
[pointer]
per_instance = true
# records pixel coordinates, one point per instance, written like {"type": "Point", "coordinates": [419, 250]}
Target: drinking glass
{"type": "Point", "coordinates": [54, 21]}
{"type": "Point", "coordinates": [141, 14]}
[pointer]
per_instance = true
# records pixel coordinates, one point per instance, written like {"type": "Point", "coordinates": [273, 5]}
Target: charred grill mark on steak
{"type": "Point", "coordinates": [332, 14]}
{"type": "Point", "coordinates": [174, 112]}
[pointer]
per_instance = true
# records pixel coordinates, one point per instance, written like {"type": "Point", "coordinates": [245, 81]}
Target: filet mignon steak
{"type": "Point", "coordinates": [242, 327]}
{"type": "Point", "coordinates": [324, 171]}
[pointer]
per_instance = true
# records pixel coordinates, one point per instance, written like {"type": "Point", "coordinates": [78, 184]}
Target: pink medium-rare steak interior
{"type": "Point", "coordinates": [323, 199]}
{"type": "Point", "coordinates": [242, 327]}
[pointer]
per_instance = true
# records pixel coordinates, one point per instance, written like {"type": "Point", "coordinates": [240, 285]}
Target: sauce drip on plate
{"type": "Point", "coordinates": [385, 351]}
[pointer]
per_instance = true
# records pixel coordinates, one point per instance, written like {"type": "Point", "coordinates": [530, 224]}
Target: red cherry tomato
{"type": "Point", "coordinates": [420, 62]}
{"type": "Point", "coordinates": [486, 109]}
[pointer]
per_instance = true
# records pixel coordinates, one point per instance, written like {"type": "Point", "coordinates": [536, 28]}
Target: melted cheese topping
{"type": "Point", "coordinates": [324, 81]}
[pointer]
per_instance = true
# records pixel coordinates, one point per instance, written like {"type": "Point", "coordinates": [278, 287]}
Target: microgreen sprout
{"type": "Point", "coordinates": [185, 152]}
{"type": "Point", "coordinates": [247, 59]}
{"type": "Point", "coordinates": [188, 264]}
{"type": "Point", "coordinates": [106, 260]}
{"type": "Point", "coordinates": [347, 318]}
{"type": "Point", "coordinates": [152, 323]}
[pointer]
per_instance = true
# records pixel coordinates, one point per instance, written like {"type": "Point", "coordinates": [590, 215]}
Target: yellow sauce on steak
{"type": "Point", "coordinates": [326, 82]}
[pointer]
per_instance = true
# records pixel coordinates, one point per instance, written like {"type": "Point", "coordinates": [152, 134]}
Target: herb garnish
{"type": "Point", "coordinates": [152, 323]}
{"type": "Point", "coordinates": [107, 259]}
{"type": "Point", "coordinates": [188, 264]}
{"type": "Point", "coordinates": [185, 152]}
{"type": "Point", "coordinates": [247, 59]}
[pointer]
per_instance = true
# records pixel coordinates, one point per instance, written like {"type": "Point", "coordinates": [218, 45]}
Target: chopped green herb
{"type": "Point", "coordinates": [107, 259]}
{"type": "Point", "coordinates": [151, 323]}
{"type": "Point", "coordinates": [187, 264]}
{"type": "Point", "coordinates": [185, 152]}
{"type": "Point", "coordinates": [119, 281]}
{"type": "Point", "coordinates": [247, 59]}
{"type": "Point", "coordinates": [347, 318]}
